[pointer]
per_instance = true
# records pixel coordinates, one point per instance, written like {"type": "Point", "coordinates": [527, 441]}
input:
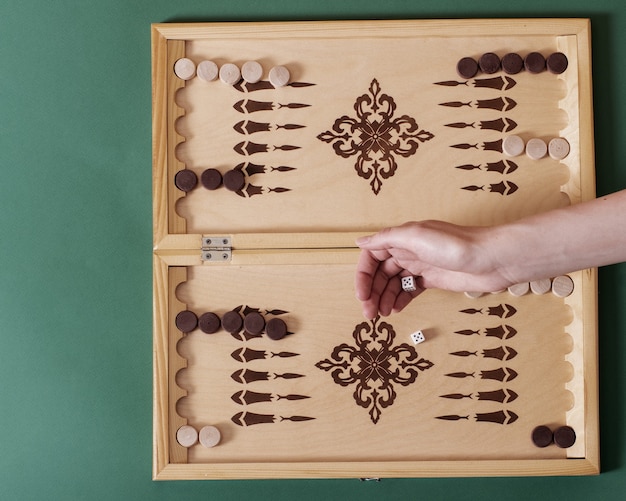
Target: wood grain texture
{"type": "Point", "coordinates": [399, 28]}
{"type": "Point", "coordinates": [341, 430]}
{"type": "Point", "coordinates": [166, 363]}
{"type": "Point", "coordinates": [387, 469]}
{"type": "Point", "coordinates": [293, 248]}
{"type": "Point", "coordinates": [159, 136]}
{"type": "Point", "coordinates": [426, 184]}
{"type": "Point", "coordinates": [165, 139]}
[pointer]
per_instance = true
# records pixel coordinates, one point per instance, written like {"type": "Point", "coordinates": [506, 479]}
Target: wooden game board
{"type": "Point", "coordinates": [375, 128]}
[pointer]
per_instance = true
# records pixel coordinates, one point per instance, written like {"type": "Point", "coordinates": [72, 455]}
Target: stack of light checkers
{"type": "Point", "coordinates": [536, 148]}
{"type": "Point", "coordinates": [561, 286]}
{"type": "Point", "coordinates": [229, 73]}
{"type": "Point", "coordinates": [254, 323]}
{"type": "Point", "coordinates": [512, 63]}
{"type": "Point", "coordinates": [188, 436]}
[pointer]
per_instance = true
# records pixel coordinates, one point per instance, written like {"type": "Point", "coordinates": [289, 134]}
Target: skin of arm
{"type": "Point", "coordinates": [462, 258]}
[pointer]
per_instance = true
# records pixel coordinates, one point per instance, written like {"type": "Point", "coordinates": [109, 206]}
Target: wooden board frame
{"type": "Point", "coordinates": [175, 249]}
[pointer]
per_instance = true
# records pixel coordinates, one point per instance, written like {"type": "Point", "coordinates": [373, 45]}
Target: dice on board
{"type": "Point", "coordinates": [418, 337]}
{"type": "Point", "coordinates": [408, 284]}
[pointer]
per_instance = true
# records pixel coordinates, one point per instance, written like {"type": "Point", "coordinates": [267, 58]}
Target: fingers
{"type": "Point", "coordinates": [378, 285]}
{"type": "Point", "coordinates": [374, 284]}
{"type": "Point", "coordinates": [390, 295]}
{"type": "Point", "coordinates": [377, 280]}
{"type": "Point", "coordinates": [366, 269]}
{"type": "Point", "coordinates": [405, 297]}
{"type": "Point", "coordinates": [392, 299]}
{"type": "Point", "coordinates": [383, 298]}
{"type": "Point", "coordinates": [373, 270]}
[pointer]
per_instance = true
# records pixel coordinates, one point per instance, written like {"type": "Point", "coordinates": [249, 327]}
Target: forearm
{"type": "Point", "coordinates": [577, 237]}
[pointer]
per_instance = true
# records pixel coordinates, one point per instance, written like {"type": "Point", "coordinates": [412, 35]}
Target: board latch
{"type": "Point", "coordinates": [216, 249]}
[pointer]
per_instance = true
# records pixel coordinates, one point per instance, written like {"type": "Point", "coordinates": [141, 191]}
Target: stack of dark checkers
{"type": "Point", "coordinates": [511, 63]}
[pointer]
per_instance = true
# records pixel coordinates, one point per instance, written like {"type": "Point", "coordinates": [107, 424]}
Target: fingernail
{"type": "Point", "coordinates": [362, 240]}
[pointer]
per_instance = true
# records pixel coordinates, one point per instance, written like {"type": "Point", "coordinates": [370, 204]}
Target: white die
{"type": "Point", "coordinates": [408, 284]}
{"type": "Point", "coordinates": [418, 337]}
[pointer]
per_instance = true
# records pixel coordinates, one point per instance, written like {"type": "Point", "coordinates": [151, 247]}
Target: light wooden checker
{"type": "Point", "coordinates": [293, 250]}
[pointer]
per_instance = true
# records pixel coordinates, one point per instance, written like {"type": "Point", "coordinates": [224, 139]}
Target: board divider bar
{"type": "Point", "coordinates": [263, 257]}
{"type": "Point", "coordinates": [264, 248]}
{"type": "Point", "coordinates": [262, 241]}
{"type": "Point", "coordinates": [314, 240]}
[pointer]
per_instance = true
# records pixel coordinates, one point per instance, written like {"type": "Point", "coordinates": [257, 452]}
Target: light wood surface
{"type": "Point", "coordinates": [322, 180]}
{"type": "Point", "coordinates": [293, 250]}
{"type": "Point", "coordinates": [341, 430]}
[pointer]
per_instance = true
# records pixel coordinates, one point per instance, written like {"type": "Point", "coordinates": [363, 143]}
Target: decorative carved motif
{"type": "Point", "coordinates": [374, 365]}
{"type": "Point", "coordinates": [375, 136]}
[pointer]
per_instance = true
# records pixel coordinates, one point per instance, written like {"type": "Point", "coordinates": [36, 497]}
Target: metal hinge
{"type": "Point", "coordinates": [216, 249]}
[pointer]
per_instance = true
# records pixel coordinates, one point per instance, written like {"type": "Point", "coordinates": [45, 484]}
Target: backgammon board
{"type": "Point", "coordinates": [275, 146]}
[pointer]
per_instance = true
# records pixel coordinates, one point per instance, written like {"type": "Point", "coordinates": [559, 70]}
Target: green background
{"type": "Point", "coordinates": [76, 246]}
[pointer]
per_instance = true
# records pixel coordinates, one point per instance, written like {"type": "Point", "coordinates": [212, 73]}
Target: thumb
{"type": "Point", "coordinates": [363, 241]}
{"type": "Point", "coordinates": [384, 239]}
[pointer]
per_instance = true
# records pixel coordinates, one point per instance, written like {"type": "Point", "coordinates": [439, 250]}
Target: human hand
{"type": "Point", "coordinates": [485, 259]}
{"type": "Point", "coordinates": [440, 255]}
